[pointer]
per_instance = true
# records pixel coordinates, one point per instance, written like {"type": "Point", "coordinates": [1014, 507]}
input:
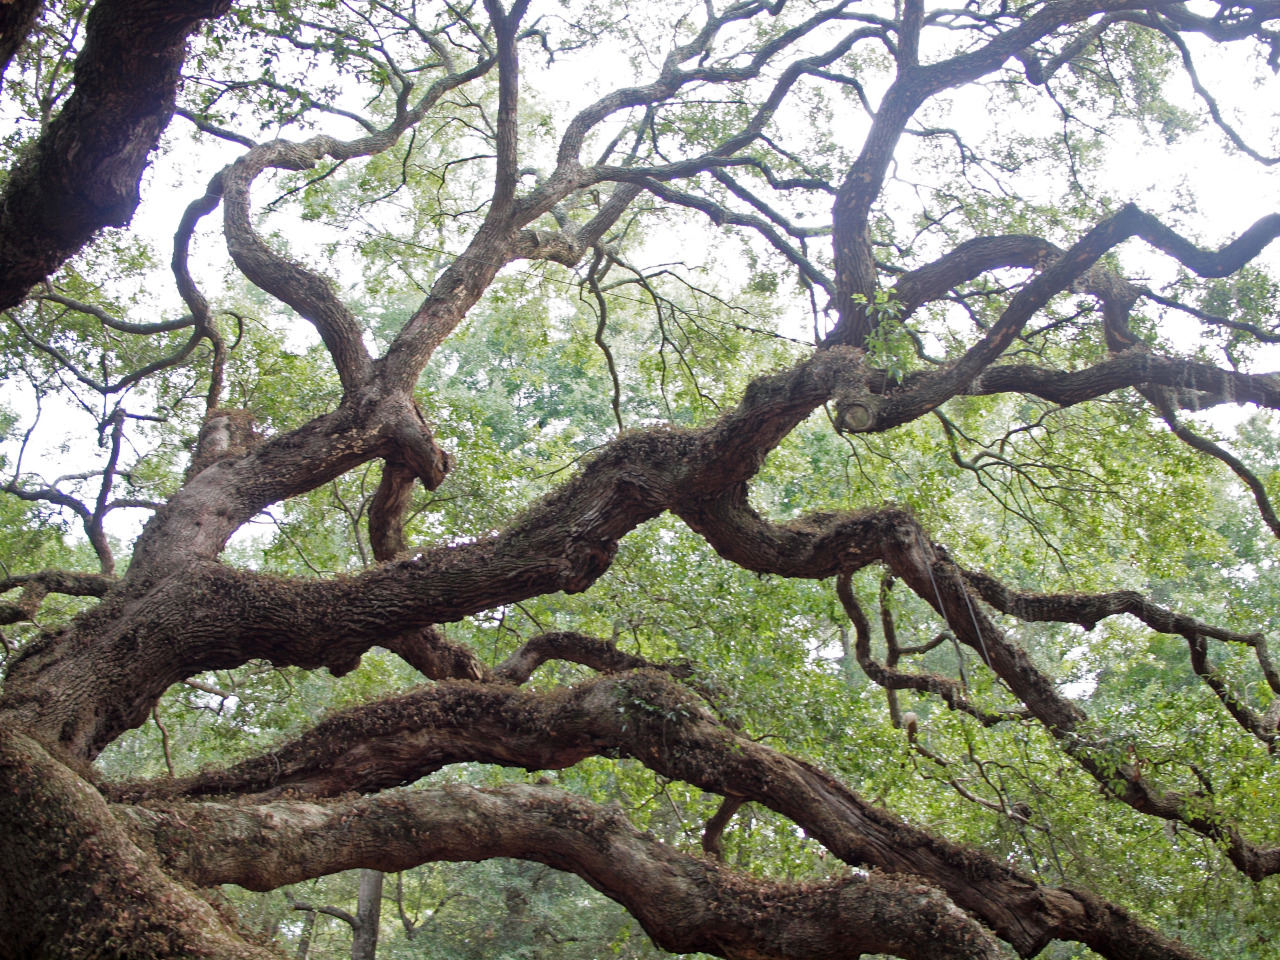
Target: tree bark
{"type": "Point", "coordinates": [364, 933]}
{"type": "Point", "coordinates": [109, 870]}
{"type": "Point", "coordinates": [83, 173]}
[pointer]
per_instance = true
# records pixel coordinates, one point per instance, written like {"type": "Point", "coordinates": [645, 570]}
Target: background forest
{"type": "Point", "coordinates": [662, 324]}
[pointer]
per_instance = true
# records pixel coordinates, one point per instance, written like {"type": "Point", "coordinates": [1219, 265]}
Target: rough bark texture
{"type": "Point", "coordinates": [83, 173]}
{"type": "Point", "coordinates": [17, 17]}
{"type": "Point", "coordinates": [685, 903]}
{"type": "Point", "coordinates": [76, 886]}
{"type": "Point", "coordinates": [110, 870]}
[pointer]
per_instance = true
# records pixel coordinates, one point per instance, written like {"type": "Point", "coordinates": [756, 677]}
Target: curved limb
{"type": "Point", "coordinates": [944, 586]}
{"type": "Point", "coordinates": [684, 903]}
{"type": "Point", "coordinates": [82, 174]}
{"type": "Point", "coordinates": [649, 717]}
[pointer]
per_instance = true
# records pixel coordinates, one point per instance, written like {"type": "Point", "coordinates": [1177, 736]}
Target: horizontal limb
{"type": "Point", "coordinates": [649, 717]}
{"type": "Point", "coordinates": [685, 904]}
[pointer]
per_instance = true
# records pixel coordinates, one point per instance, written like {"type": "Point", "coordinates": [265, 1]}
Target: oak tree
{"type": "Point", "coordinates": [913, 359]}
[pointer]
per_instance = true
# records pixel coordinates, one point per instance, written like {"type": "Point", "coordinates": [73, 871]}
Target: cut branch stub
{"type": "Point", "coordinates": [28, 605]}
{"type": "Point", "coordinates": [855, 416]}
{"type": "Point", "coordinates": [431, 654]}
{"type": "Point", "coordinates": [387, 508]}
{"type": "Point", "coordinates": [418, 449]}
{"type": "Point", "coordinates": [572, 647]}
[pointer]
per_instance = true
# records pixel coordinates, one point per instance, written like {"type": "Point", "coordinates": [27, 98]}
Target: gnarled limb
{"type": "Point", "coordinates": [84, 171]}
{"type": "Point", "coordinates": [60, 845]}
{"type": "Point", "coordinates": [649, 717]}
{"type": "Point", "coordinates": [914, 84]}
{"type": "Point", "coordinates": [1088, 609]}
{"type": "Point", "coordinates": [684, 903]}
{"type": "Point", "coordinates": [429, 652]}
{"type": "Point", "coordinates": [824, 544]}
{"type": "Point", "coordinates": [1195, 384]}
{"type": "Point", "coordinates": [67, 582]}
{"type": "Point", "coordinates": [184, 625]}
{"type": "Point", "coordinates": [178, 611]}
{"type": "Point", "coordinates": [311, 294]}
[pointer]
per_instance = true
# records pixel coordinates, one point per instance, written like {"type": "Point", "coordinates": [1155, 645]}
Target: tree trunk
{"type": "Point", "coordinates": [304, 942]}
{"type": "Point", "coordinates": [364, 938]}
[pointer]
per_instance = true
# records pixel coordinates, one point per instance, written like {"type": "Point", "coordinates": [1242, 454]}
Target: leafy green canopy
{"type": "Point", "coordinates": [732, 241]}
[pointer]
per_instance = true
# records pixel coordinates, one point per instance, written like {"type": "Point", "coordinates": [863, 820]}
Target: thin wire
{"type": "Point", "coordinates": [976, 629]}
{"type": "Point", "coordinates": [986, 658]}
{"type": "Point", "coordinates": [942, 607]}
{"type": "Point", "coordinates": [1003, 790]}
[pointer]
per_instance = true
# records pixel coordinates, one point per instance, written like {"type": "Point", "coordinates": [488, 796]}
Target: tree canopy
{"type": "Point", "coordinates": [802, 471]}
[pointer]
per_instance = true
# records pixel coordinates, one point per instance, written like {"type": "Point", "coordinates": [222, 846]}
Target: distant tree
{"type": "Point", "coordinates": [991, 439]}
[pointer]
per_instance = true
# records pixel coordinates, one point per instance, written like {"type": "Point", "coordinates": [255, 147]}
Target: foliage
{"type": "Point", "coordinates": [658, 327]}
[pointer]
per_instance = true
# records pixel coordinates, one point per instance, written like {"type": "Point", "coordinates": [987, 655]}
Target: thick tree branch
{"type": "Point", "coordinates": [600, 655]}
{"type": "Point", "coordinates": [309, 293]}
{"type": "Point", "coordinates": [506, 27]}
{"type": "Point", "coordinates": [178, 612]}
{"type": "Point", "coordinates": [973, 372]}
{"type": "Point", "coordinates": [429, 652]}
{"type": "Point", "coordinates": [969, 260]}
{"type": "Point", "coordinates": [1195, 385]}
{"type": "Point", "coordinates": [648, 717]}
{"type": "Point", "coordinates": [684, 903]}
{"type": "Point", "coordinates": [83, 879]}
{"type": "Point", "coordinates": [69, 583]}
{"type": "Point", "coordinates": [863, 182]}
{"type": "Point", "coordinates": [84, 171]}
